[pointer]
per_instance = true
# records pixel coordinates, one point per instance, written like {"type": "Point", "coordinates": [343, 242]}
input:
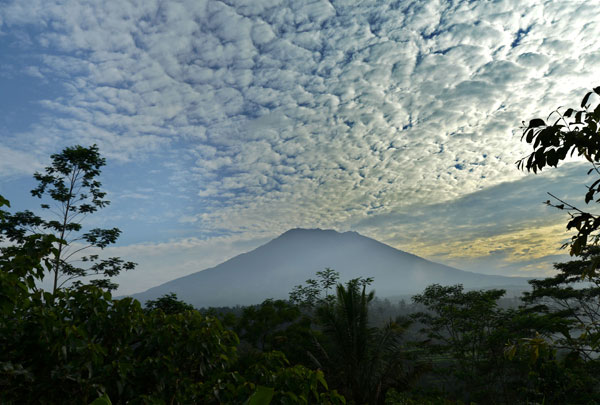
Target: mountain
{"type": "Point", "coordinates": [273, 269]}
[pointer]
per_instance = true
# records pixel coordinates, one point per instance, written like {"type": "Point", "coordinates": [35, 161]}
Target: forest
{"type": "Point", "coordinates": [329, 343]}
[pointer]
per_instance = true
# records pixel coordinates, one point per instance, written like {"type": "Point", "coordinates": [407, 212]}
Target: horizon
{"type": "Point", "coordinates": [224, 126]}
{"type": "Point", "coordinates": [275, 269]}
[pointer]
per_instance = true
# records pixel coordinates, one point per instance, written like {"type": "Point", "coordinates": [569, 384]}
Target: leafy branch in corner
{"type": "Point", "coordinates": [574, 132]}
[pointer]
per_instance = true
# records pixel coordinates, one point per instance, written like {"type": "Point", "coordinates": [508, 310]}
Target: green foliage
{"type": "Point", "coordinates": [259, 324]}
{"type": "Point", "coordinates": [80, 341]}
{"type": "Point", "coordinates": [20, 268]}
{"type": "Point", "coordinates": [102, 400]}
{"type": "Point", "coordinates": [169, 304]}
{"type": "Point", "coordinates": [79, 345]}
{"type": "Point", "coordinates": [569, 345]}
{"type": "Point", "coordinates": [576, 131]}
{"type": "Point", "coordinates": [572, 301]}
{"type": "Point", "coordinates": [290, 384]}
{"type": "Point", "coordinates": [315, 292]}
{"type": "Point", "coordinates": [23, 264]}
{"type": "Point", "coordinates": [394, 397]}
{"type": "Point", "coordinates": [72, 186]}
{"type": "Point", "coordinates": [277, 325]}
{"type": "Point", "coordinates": [565, 351]}
{"type": "Point", "coordinates": [328, 279]}
{"type": "Point", "coordinates": [3, 202]}
{"type": "Point", "coordinates": [346, 322]}
{"type": "Point", "coordinates": [466, 333]}
{"type": "Point", "coordinates": [487, 354]}
{"type": "Point", "coordinates": [262, 396]}
{"type": "Point", "coordinates": [456, 320]}
{"type": "Point", "coordinates": [69, 346]}
{"type": "Point", "coordinates": [362, 361]}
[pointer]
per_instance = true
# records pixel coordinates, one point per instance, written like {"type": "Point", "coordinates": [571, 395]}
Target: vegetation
{"type": "Point", "coordinates": [169, 304]}
{"type": "Point", "coordinates": [77, 344]}
{"type": "Point", "coordinates": [72, 185]}
{"type": "Point", "coordinates": [576, 131]}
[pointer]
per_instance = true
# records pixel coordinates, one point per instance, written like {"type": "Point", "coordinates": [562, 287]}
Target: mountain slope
{"type": "Point", "coordinates": [272, 270]}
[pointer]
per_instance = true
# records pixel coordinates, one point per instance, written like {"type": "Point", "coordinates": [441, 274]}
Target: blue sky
{"type": "Point", "coordinates": [227, 123]}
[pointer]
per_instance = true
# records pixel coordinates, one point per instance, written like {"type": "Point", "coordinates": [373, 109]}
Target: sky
{"type": "Point", "coordinates": [226, 123]}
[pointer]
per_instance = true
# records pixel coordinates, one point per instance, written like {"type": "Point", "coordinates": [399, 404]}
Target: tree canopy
{"type": "Point", "coordinates": [561, 135]}
{"type": "Point", "coordinates": [72, 186]}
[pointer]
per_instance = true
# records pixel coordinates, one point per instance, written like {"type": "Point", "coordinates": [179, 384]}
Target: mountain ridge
{"type": "Point", "coordinates": [273, 269]}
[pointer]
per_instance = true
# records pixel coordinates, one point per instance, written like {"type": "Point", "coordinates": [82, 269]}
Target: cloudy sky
{"type": "Point", "coordinates": [226, 123]}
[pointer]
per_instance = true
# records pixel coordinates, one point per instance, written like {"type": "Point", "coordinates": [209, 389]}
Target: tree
{"type": "Point", "coordinates": [360, 360]}
{"type": "Point", "coordinates": [328, 279]}
{"type": "Point", "coordinates": [576, 131]}
{"type": "Point", "coordinates": [365, 360]}
{"type": "Point", "coordinates": [464, 331]}
{"type": "Point", "coordinates": [169, 304]}
{"type": "Point", "coordinates": [264, 325]}
{"type": "Point", "coordinates": [71, 184]}
{"type": "Point", "coordinates": [315, 292]}
{"type": "Point", "coordinates": [564, 365]}
{"type": "Point", "coordinates": [79, 343]}
{"type": "Point", "coordinates": [21, 265]}
{"type": "Point", "coordinates": [574, 302]}
{"type": "Point", "coordinates": [569, 299]}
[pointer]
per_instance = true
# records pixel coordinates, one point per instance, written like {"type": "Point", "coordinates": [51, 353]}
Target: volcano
{"type": "Point", "coordinates": [273, 269]}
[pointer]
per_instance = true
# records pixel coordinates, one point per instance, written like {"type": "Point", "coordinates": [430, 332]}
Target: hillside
{"type": "Point", "coordinates": [273, 269]}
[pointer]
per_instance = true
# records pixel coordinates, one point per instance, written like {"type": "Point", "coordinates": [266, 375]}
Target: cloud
{"type": "Point", "coordinates": [505, 228]}
{"type": "Point", "coordinates": [274, 115]}
{"type": "Point", "coordinates": [162, 262]}
{"type": "Point", "coordinates": [15, 162]}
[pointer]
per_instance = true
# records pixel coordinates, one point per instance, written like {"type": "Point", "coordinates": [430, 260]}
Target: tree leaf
{"type": "Point", "coordinates": [529, 136]}
{"type": "Point", "coordinates": [103, 400]}
{"type": "Point", "coordinates": [585, 99]}
{"type": "Point", "coordinates": [262, 396]}
{"type": "Point", "coordinates": [536, 122]}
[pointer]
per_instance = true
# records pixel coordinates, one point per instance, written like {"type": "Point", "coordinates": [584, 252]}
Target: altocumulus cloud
{"type": "Point", "coordinates": [277, 114]}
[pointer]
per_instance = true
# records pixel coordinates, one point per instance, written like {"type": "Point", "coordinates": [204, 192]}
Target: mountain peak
{"type": "Point", "coordinates": [314, 232]}
{"type": "Point", "coordinates": [305, 231]}
{"type": "Point", "coordinates": [273, 269]}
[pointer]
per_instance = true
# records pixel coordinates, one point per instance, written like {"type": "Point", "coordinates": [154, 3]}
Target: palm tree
{"type": "Point", "coordinates": [366, 360]}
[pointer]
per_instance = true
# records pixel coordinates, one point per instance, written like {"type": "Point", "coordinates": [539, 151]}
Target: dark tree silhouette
{"type": "Point", "coordinates": [574, 132]}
